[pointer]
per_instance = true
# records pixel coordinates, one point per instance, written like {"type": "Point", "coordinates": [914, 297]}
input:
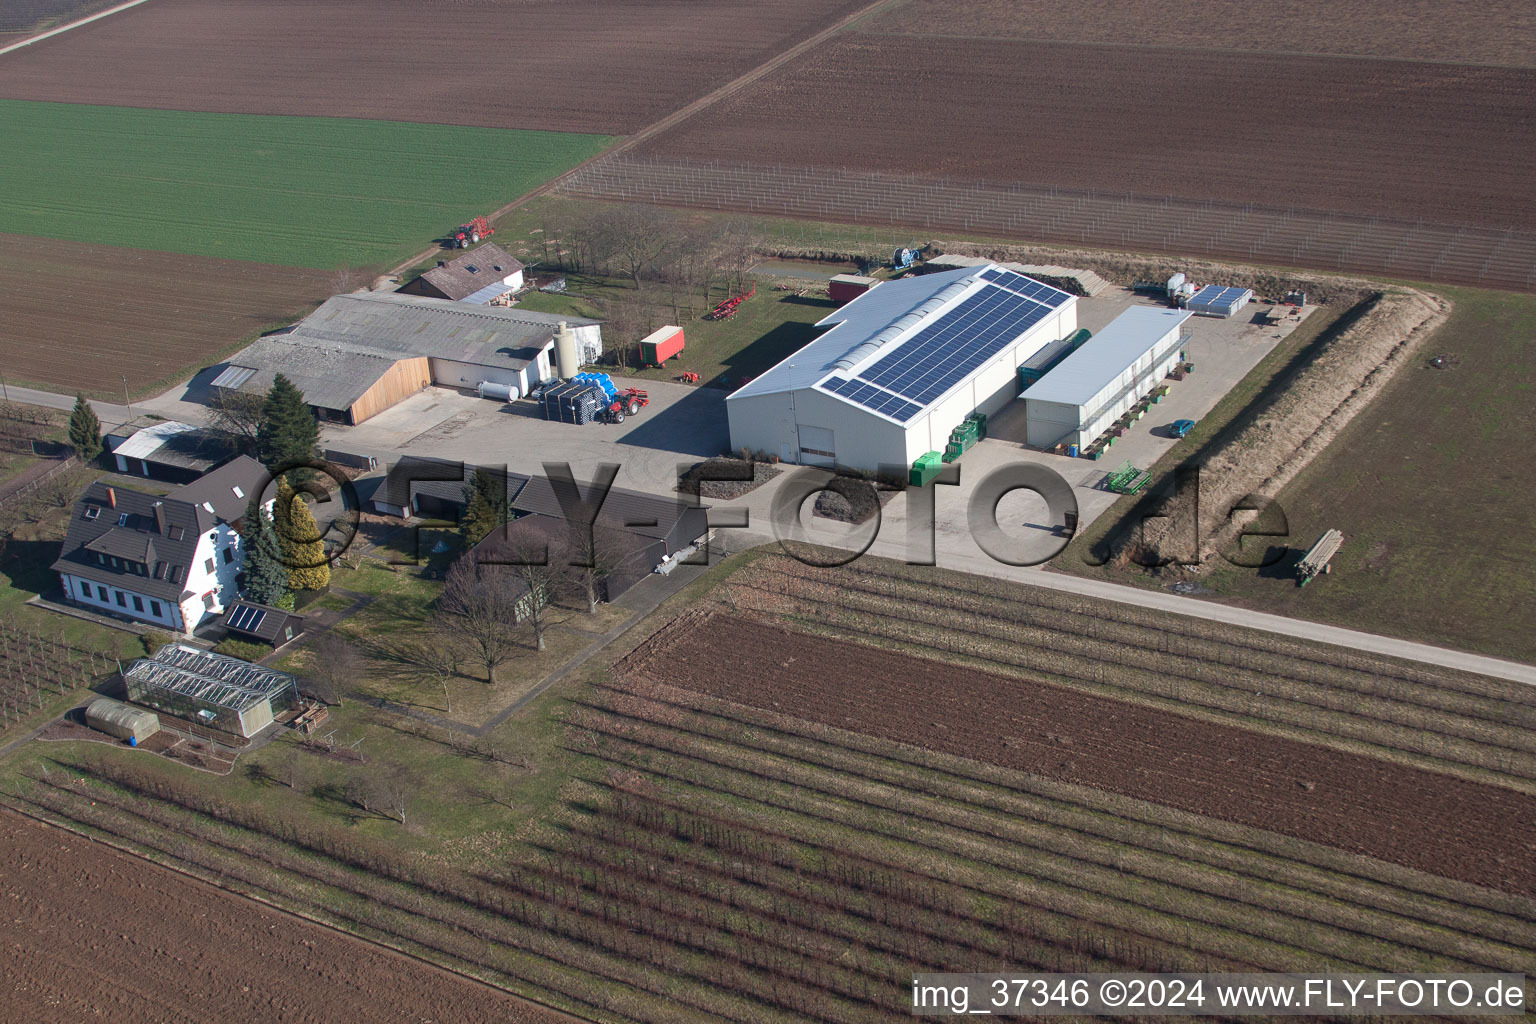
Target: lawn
{"type": "Point", "coordinates": [303, 192]}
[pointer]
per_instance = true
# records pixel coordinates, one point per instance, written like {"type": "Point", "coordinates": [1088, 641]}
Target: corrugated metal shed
{"type": "Point", "coordinates": [1105, 356]}
{"type": "Point", "coordinates": [145, 442]}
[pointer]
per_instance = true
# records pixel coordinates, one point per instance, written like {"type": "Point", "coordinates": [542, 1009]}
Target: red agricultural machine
{"type": "Point", "coordinates": [727, 309]}
{"type": "Point", "coordinates": [626, 403]}
{"type": "Point", "coordinates": [689, 377]}
{"type": "Point", "coordinates": [472, 233]}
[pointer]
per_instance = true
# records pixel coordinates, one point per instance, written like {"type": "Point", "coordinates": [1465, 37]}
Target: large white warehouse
{"type": "Point", "coordinates": [1112, 371]}
{"type": "Point", "coordinates": [900, 368]}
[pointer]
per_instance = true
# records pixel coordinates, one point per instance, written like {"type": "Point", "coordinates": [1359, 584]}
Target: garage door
{"type": "Point", "coordinates": [817, 446]}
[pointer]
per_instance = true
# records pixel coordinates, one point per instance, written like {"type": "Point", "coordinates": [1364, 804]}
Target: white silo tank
{"type": "Point", "coordinates": [567, 364]}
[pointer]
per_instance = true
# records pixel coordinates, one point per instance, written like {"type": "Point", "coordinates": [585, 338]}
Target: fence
{"type": "Point", "coordinates": [27, 486]}
{"type": "Point", "coordinates": [1416, 250]}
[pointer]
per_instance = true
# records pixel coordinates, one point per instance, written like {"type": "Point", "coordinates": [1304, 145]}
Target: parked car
{"type": "Point", "coordinates": [1178, 428]}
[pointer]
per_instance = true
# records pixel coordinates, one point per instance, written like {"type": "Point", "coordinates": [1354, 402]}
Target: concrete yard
{"type": "Point", "coordinates": [681, 425]}
{"type": "Point", "coordinates": [684, 424]}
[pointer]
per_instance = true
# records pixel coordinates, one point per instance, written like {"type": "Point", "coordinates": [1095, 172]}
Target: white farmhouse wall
{"type": "Point", "coordinates": [105, 597]}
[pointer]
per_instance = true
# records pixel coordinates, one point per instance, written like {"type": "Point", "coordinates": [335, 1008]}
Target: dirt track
{"type": "Point", "coordinates": [1396, 139]}
{"type": "Point", "coordinates": [96, 934]}
{"type": "Point", "coordinates": [608, 66]}
{"type": "Point", "coordinates": [1475, 833]}
{"type": "Point", "coordinates": [88, 314]}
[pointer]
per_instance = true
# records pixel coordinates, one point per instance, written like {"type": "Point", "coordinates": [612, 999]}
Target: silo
{"type": "Point", "coordinates": [117, 719]}
{"type": "Point", "coordinates": [567, 365]}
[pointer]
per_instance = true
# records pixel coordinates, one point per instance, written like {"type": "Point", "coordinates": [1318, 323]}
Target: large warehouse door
{"type": "Point", "coordinates": [817, 446]}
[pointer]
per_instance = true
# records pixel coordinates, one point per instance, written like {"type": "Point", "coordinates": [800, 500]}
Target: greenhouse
{"type": "Point", "coordinates": [213, 690]}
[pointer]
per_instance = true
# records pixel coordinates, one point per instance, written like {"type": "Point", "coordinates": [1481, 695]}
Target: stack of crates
{"type": "Point", "coordinates": [963, 437]}
{"type": "Point", "coordinates": [572, 402]}
{"type": "Point", "coordinates": [925, 469]}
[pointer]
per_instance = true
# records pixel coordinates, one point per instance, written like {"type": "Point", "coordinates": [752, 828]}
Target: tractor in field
{"type": "Point", "coordinates": [472, 233]}
{"type": "Point", "coordinates": [626, 403]}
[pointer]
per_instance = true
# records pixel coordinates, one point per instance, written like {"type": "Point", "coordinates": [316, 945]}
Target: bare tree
{"type": "Point", "coordinates": [593, 552]}
{"type": "Point", "coordinates": [294, 769]}
{"type": "Point", "coordinates": [482, 606]}
{"type": "Point", "coordinates": [395, 788]}
{"type": "Point", "coordinates": [435, 659]}
{"type": "Point", "coordinates": [238, 415]}
{"type": "Point", "coordinates": [333, 664]}
{"type": "Point", "coordinates": [737, 247]}
{"type": "Point", "coordinates": [640, 238]}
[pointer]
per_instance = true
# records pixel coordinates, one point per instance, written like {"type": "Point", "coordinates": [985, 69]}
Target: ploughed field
{"type": "Point", "coordinates": [1431, 30]}
{"type": "Point", "coordinates": [1473, 832]}
{"type": "Point", "coordinates": [80, 317]}
{"type": "Point", "coordinates": [92, 933]}
{"type": "Point", "coordinates": [609, 66]}
{"type": "Point", "coordinates": [1400, 139]}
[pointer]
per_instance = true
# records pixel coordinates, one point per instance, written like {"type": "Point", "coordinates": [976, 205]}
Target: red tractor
{"type": "Point", "coordinates": [626, 403]}
{"type": "Point", "coordinates": [472, 233]}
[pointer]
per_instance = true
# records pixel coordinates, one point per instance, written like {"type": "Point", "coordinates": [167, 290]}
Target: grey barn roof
{"type": "Point", "coordinates": [403, 481]}
{"type": "Point", "coordinates": [644, 514]}
{"type": "Point", "coordinates": [341, 349]}
{"type": "Point", "coordinates": [464, 275]}
{"type": "Point", "coordinates": [1105, 356]}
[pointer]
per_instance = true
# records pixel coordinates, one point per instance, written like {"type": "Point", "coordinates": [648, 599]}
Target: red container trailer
{"type": "Point", "coordinates": [660, 345]}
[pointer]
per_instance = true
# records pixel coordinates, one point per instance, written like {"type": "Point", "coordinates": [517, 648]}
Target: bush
{"type": "Point", "coordinates": [243, 649]}
{"type": "Point", "coordinates": [154, 640]}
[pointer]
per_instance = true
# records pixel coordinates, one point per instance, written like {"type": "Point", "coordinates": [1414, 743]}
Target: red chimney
{"type": "Point", "coordinates": [111, 497]}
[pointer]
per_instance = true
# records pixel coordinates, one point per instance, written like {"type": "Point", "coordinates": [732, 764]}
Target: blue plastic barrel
{"type": "Point", "coordinates": [1072, 451]}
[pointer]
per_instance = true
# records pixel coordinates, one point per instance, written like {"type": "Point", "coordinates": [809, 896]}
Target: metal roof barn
{"type": "Point", "coordinates": [1217, 300]}
{"type": "Point", "coordinates": [1088, 390]}
{"type": "Point", "coordinates": [901, 367]}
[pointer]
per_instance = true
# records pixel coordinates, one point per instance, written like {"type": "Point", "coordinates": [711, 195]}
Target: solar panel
{"type": "Point", "coordinates": [1026, 286]}
{"type": "Point", "coordinates": [247, 619]}
{"type": "Point", "coordinates": [951, 346]}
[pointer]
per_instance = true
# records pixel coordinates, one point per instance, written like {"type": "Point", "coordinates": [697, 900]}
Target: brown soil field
{"type": "Point", "coordinates": [79, 317]}
{"type": "Point", "coordinates": [610, 67]}
{"type": "Point", "coordinates": [1449, 31]}
{"type": "Point", "coordinates": [1449, 827]}
{"type": "Point", "coordinates": [1393, 139]}
{"type": "Point", "coordinates": [97, 934]}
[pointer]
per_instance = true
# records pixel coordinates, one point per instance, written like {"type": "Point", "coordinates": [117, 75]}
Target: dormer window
{"type": "Point", "coordinates": [122, 520]}
{"type": "Point", "coordinates": [92, 511]}
{"type": "Point", "coordinates": [177, 533]}
{"type": "Point", "coordinates": [159, 570]}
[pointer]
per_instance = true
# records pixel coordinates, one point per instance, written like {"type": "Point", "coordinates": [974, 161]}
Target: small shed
{"type": "Point", "coordinates": [262, 623]}
{"type": "Point", "coordinates": [847, 287]}
{"type": "Point", "coordinates": [118, 719]}
{"type": "Point", "coordinates": [1218, 300]}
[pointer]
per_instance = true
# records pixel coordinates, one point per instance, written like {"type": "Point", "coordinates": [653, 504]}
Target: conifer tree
{"type": "Point", "coordinates": [288, 435]}
{"type": "Point", "coordinates": [265, 575]}
{"type": "Point", "coordinates": [486, 497]}
{"type": "Point", "coordinates": [299, 536]}
{"type": "Point", "coordinates": [478, 520]}
{"type": "Point", "coordinates": [84, 430]}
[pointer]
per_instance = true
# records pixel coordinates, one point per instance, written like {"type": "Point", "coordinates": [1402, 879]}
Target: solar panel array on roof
{"type": "Point", "coordinates": [952, 346]}
{"type": "Point", "coordinates": [871, 397]}
{"type": "Point", "coordinates": [247, 619]}
{"type": "Point", "coordinates": [1216, 296]}
{"type": "Point", "coordinates": [1028, 287]}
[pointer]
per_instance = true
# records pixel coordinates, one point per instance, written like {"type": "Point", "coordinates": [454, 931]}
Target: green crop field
{"type": "Point", "coordinates": [300, 191]}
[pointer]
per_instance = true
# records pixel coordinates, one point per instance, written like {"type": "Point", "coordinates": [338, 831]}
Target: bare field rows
{"type": "Point", "coordinates": [1471, 725]}
{"type": "Point", "coordinates": [1402, 140]}
{"type": "Point", "coordinates": [1125, 221]}
{"type": "Point", "coordinates": [717, 862]}
{"type": "Point", "coordinates": [1449, 31]}
{"type": "Point", "coordinates": [80, 918]}
{"type": "Point", "coordinates": [1435, 823]}
{"type": "Point", "coordinates": [90, 315]}
{"type": "Point", "coordinates": [608, 67]}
